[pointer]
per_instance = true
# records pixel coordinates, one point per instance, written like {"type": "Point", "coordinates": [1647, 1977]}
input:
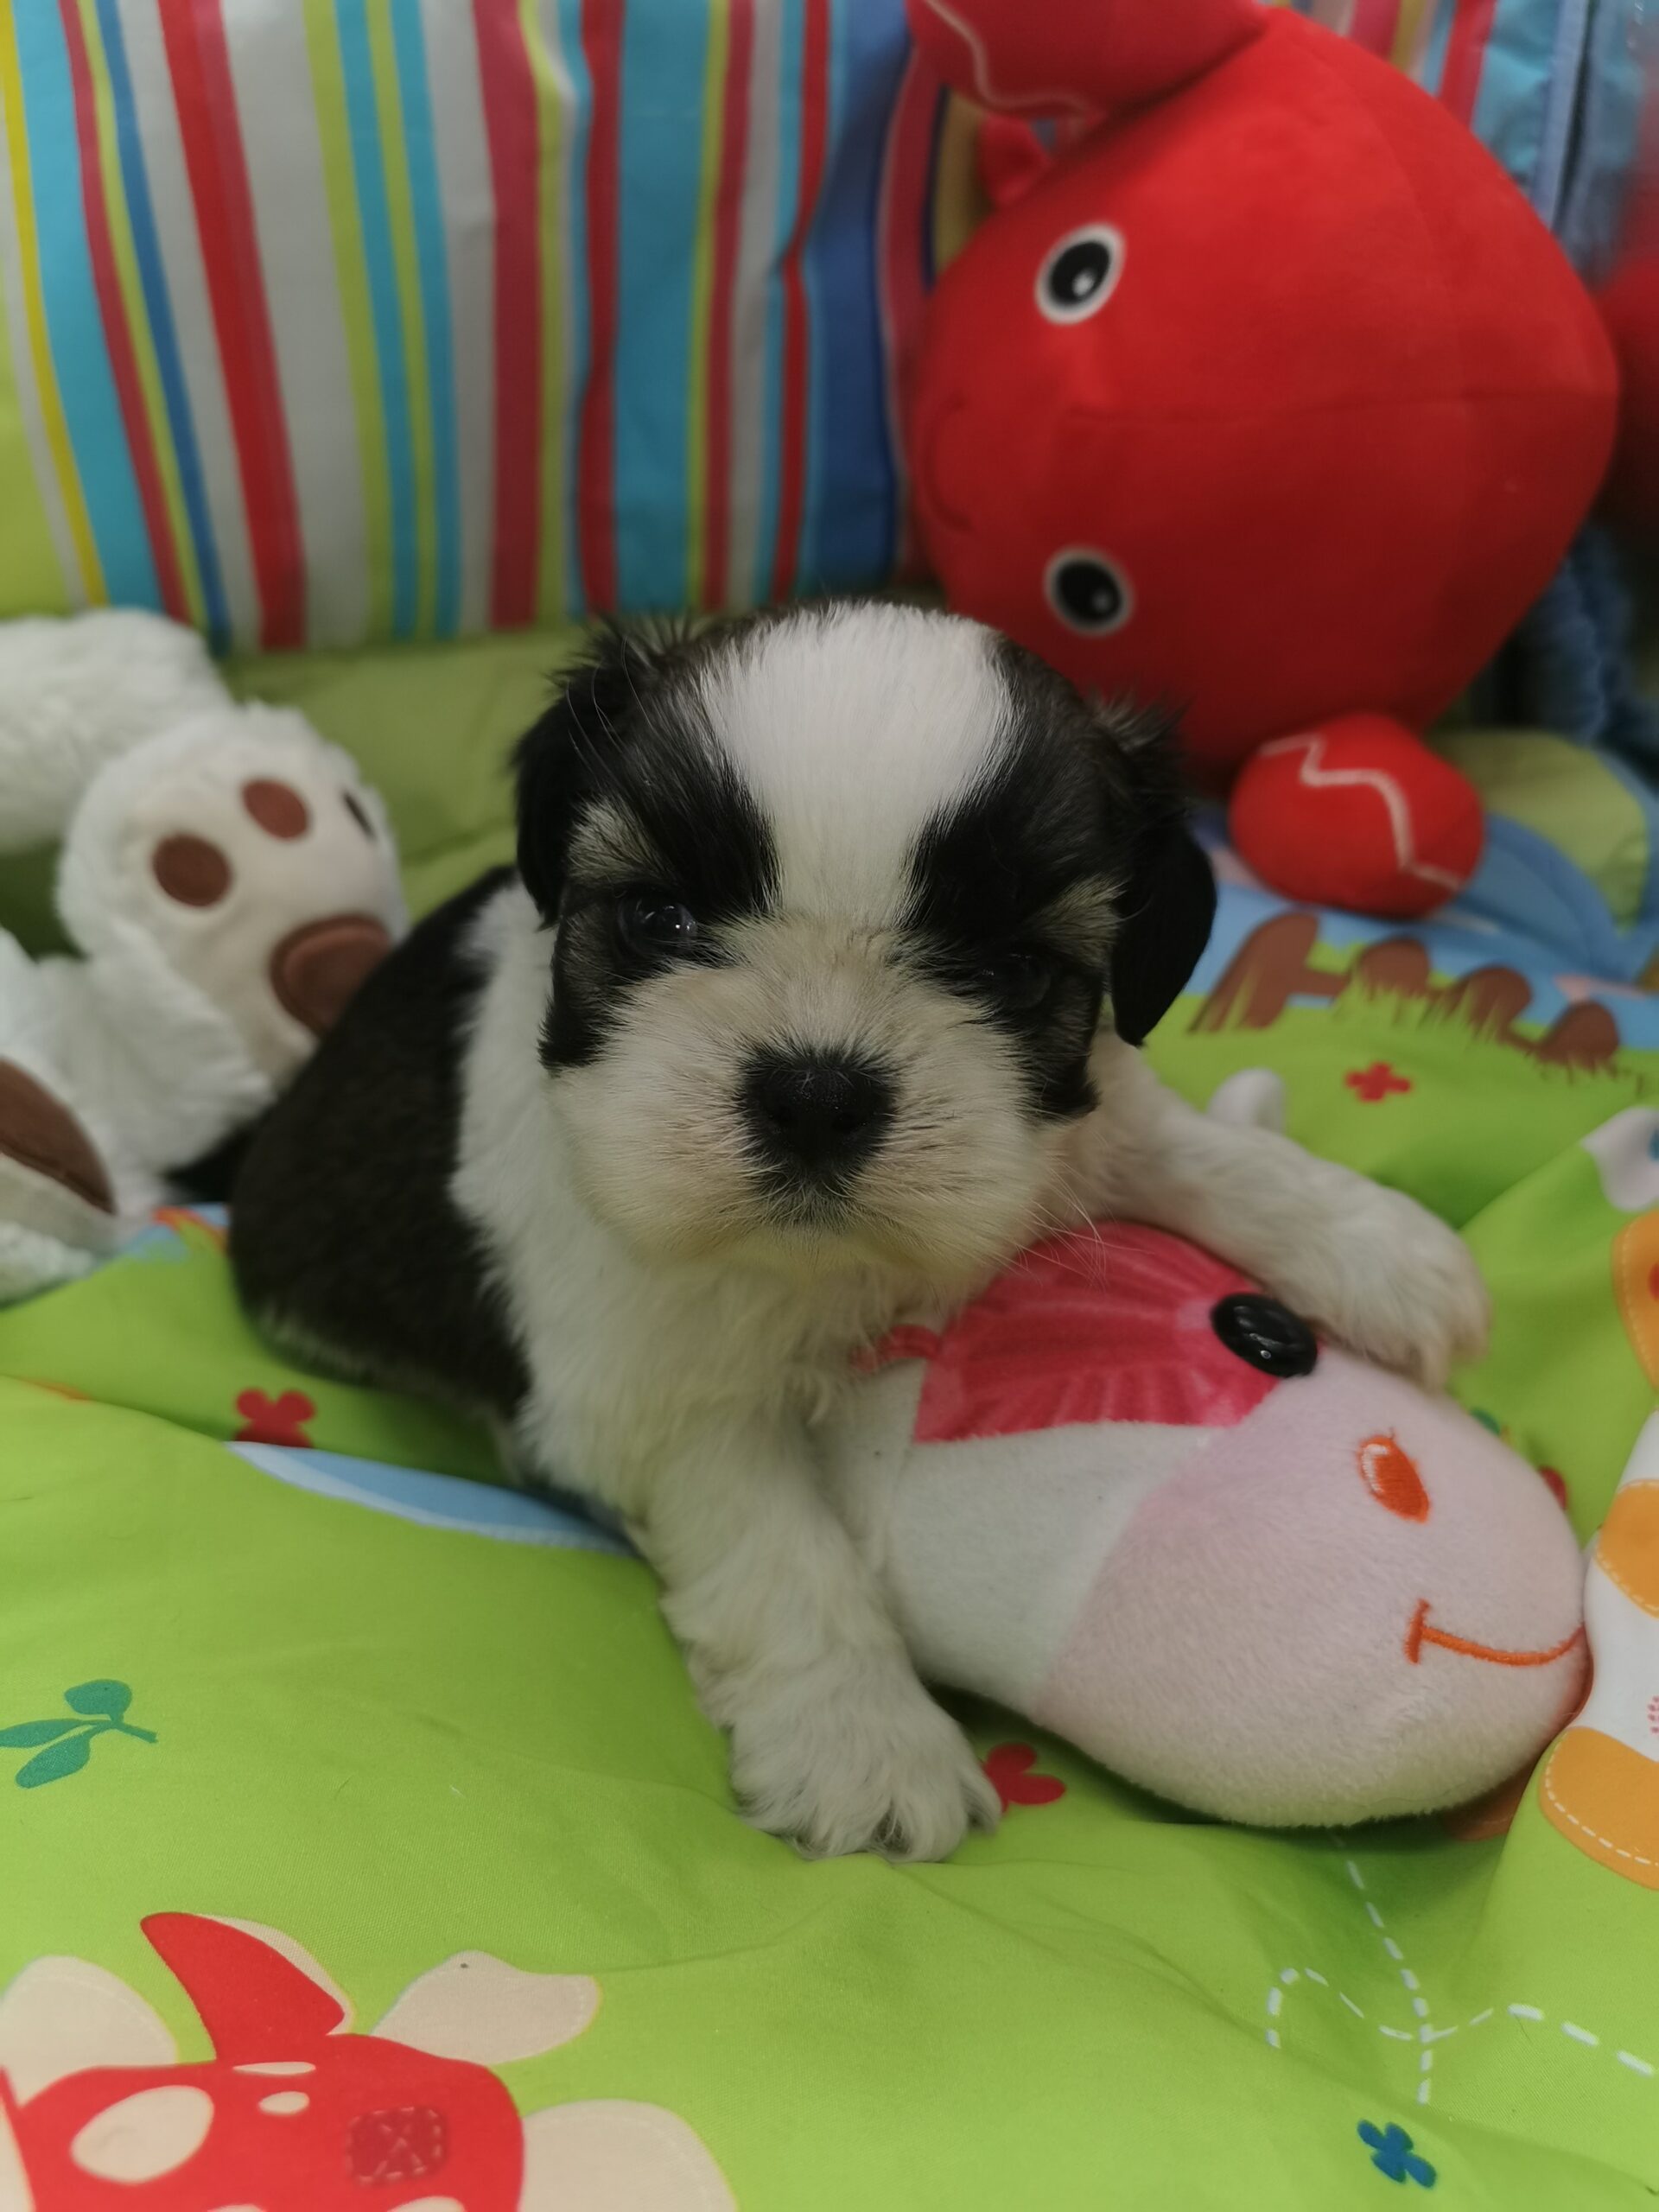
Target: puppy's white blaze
{"type": "Point", "coordinates": [853, 729]}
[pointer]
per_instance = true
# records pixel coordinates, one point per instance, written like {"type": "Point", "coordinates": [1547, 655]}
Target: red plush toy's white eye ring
{"type": "Point", "coordinates": [1080, 274]}
{"type": "Point", "coordinates": [1087, 591]}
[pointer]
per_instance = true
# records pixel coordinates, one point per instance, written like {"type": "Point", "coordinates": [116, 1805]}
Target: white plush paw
{"type": "Point", "coordinates": [843, 1762]}
{"type": "Point", "coordinates": [248, 859]}
{"type": "Point", "coordinates": [1393, 1283]}
{"type": "Point", "coordinates": [30, 1262]}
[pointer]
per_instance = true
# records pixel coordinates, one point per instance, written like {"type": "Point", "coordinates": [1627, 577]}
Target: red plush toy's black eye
{"type": "Point", "coordinates": [1080, 275]}
{"type": "Point", "coordinates": [1087, 591]}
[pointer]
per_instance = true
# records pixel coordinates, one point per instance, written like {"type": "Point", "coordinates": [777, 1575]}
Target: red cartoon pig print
{"type": "Point", "coordinates": [296, 2113]}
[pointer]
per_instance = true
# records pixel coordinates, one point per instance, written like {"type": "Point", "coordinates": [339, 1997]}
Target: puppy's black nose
{"type": "Point", "coordinates": [824, 1115]}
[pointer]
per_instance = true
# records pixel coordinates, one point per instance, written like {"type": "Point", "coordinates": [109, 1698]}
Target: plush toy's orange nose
{"type": "Point", "coordinates": [1390, 1474]}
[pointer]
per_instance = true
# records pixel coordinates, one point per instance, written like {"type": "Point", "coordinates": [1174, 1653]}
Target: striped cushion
{"type": "Point", "coordinates": [330, 320]}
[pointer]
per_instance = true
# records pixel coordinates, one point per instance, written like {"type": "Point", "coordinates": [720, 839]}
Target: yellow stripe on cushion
{"type": "Point", "coordinates": [56, 428]}
{"type": "Point", "coordinates": [400, 209]}
{"type": "Point", "coordinates": [703, 284]}
{"type": "Point", "coordinates": [333, 133]}
{"type": "Point", "coordinates": [555, 103]}
{"type": "Point", "coordinates": [132, 300]}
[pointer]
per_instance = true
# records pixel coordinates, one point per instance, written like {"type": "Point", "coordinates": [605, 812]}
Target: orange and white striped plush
{"type": "Point", "coordinates": [1131, 1496]}
{"type": "Point", "coordinates": [1601, 1785]}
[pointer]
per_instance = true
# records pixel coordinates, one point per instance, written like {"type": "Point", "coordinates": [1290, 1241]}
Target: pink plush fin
{"type": "Point", "coordinates": [251, 2000]}
{"type": "Point", "coordinates": [1010, 158]}
{"type": "Point", "coordinates": [1072, 56]}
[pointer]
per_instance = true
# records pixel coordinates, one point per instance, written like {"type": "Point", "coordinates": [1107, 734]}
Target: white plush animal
{"type": "Point", "coordinates": [229, 880]}
{"type": "Point", "coordinates": [78, 691]}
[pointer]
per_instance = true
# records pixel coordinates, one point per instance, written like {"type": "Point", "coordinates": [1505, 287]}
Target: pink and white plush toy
{"type": "Point", "coordinates": [1131, 1496]}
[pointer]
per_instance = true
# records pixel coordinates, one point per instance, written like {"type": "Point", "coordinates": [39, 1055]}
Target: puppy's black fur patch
{"type": "Point", "coordinates": [342, 1228]}
{"type": "Point", "coordinates": [1167, 908]}
{"type": "Point", "coordinates": [1082, 805]}
{"type": "Point", "coordinates": [629, 729]}
{"type": "Point", "coordinates": [982, 874]}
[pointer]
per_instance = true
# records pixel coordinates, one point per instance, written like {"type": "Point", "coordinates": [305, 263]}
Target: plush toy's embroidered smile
{"type": "Point", "coordinates": [1420, 1633]}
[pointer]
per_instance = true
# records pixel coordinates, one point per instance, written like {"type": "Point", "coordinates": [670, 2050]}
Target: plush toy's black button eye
{"type": "Point", "coordinates": [1086, 591]}
{"type": "Point", "coordinates": [1266, 1335]}
{"type": "Point", "coordinates": [1080, 273]}
{"type": "Point", "coordinates": [1077, 273]}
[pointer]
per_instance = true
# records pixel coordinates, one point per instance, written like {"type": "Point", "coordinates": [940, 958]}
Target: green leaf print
{"type": "Point", "coordinates": [66, 1757]}
{"type": "Point", "coordinates": [35, 1731]}
{"type": "Point", "coordinates": [67, 1743]}
{"type": "Point", "coordinates": [108, 1700]}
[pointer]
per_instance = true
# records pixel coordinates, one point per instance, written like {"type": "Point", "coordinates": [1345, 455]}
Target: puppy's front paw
{"type": "Point", "coordinates": [1392, 1282]}
{"type": "Point", "coordinates": [840, 1764]}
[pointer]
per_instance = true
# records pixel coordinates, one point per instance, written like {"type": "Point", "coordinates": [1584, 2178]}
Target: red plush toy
{"type": "Point", "coordinates": [1269, 395]}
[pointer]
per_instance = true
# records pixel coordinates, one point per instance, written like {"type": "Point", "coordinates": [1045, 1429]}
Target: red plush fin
{"type": "Point", "coordinates": [1010, 158]}
{"type": "Point", "coordinates": [1086, 56]}
{"type": "Point", "coordinates": [1108, 1324]}
{"type": "Point", "coordinates": [253, 2002]}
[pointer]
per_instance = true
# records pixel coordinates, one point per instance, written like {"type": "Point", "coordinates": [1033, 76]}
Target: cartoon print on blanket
{"type": "Point", "coordinates": [407, 1744]}
{"type": "Point", "coordinates": [62, 1746]}
{"type": "Point", "coordinates": [1273, 966]}
{"type": "Point", "coordinates": [1403, 2006]}
{"type": "Point", "coordinates": [434, 1501]}
{"type": "Point", "coordinates": [445, 1768]}
{"type": "Point", "coordinates": [301, 2112]}
{"type": "Point", "coordinates": [1454, 1060]}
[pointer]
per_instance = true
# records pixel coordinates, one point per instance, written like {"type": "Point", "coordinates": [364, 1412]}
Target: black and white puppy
{"type": "Point", "coordinates": [813, 1000]}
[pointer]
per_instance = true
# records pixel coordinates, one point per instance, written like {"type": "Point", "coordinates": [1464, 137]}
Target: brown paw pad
{"type": "Point", "coordinates": [39, 1132]}
{"type": "Point", "coordinates": [315, 970]}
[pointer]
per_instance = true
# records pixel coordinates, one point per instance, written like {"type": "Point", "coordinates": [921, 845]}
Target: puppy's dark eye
{"type": "Point", "coordinates": [1019, 981]}
{"type": "Point", "coordinates": [1087, 591]}
{"type": "Point", "coordinates": [651, 925]}
{"type": "Point", "coordinates": [1080, 275]}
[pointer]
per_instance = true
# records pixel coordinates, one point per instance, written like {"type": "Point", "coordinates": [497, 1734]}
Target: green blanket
{"type": "Point", "coordinates": [278, 1652]}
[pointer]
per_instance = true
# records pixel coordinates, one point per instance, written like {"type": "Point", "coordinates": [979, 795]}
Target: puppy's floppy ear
{"type": "Point", "coordinates": [1167, 906]}
{"type": "Point", "coordinates": [560, 759]}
